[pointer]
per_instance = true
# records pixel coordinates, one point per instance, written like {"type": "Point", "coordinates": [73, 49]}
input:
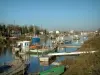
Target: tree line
{"type": "Point", "coordinates": [7, 30]}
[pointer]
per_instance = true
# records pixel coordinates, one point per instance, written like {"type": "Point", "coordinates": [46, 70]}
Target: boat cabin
{"type": "Point", "coordinates": [24, 45]}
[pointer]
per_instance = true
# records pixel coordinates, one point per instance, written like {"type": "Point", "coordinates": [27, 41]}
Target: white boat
{"type": "Point", "coordinates": [22, 46]}
{"type": "Point", "coordinates": [67, 41]}
{"type": "Point", "coordinates": [41, 50]}
{"type": "Point", "coordinates": [76, 37]}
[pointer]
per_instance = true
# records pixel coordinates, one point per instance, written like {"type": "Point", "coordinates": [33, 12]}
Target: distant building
{"type": "Point", "coordinates": [84, 33]}
{"type": "Point", "coordinates": [57, 32]}
{"type": "Point", "coordinates": [97, 32]}
{"type": "Point", "coordinates": [50, 32]}
{"type": "Point", "coordinates": [72, 31]}
{"type": "Point", "coordinates": [15, 33]}
{"type": "Point", "coordinates": [41, 33]}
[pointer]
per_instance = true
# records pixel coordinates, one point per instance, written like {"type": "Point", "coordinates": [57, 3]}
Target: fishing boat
{"type": "Point", "coordinates": [22, 46]}
{"type": "Point", "coordinates": [35, 43]}
{"type": "Point", "coordinates": [67, 41]}
{"type": "Point", "coordinates": [40, 50]}
{"type": "Point", "coordinates": [60, 39]}
{"type": "Point", "coordinates": [76, 37]}
{"type": "Point", "coordinates": [36, 47]}
{"type": "Point", "coordinates": [54, 71]}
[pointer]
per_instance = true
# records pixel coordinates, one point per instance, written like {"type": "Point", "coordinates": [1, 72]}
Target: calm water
{"type": "Point", "coordinates": [6, 56]}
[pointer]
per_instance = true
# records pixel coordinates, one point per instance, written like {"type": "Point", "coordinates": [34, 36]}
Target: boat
{"type": "Point", "coordinates": [22, 46]}
{"type": "Point", "coordinates": [35, 43]}
{"type": "Point", "coordinates": [76, 37]}
{"type": "Point", "coordinates": [41, 51]}
{"type": "Point", "coordinates": [4, 68]}
{"type": "Point", "coordinates": [60, 39]}
{"type": "Point", "coordinates": [67, 41]}
{"type": "Point", "coordinates": [54, 71]}
{"type": "Point", "coordinates": [35, 47]}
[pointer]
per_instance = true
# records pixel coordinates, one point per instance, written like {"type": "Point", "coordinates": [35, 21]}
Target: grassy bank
{"type": "Point", "coordinates": [86, 64]}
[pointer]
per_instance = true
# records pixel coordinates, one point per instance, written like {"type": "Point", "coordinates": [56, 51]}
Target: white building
{"type": "Point", "coordinates": [71, 31]}
{"type": "Point", "coordinates": [51, 32]}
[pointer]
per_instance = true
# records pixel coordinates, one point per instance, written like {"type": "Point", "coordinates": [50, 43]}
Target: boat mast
{"type": "Point", "coordinates": [34, 30]}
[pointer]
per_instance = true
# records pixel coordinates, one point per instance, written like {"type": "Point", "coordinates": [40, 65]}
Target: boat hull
{"type": "Point", "coordinates": [54, 71]}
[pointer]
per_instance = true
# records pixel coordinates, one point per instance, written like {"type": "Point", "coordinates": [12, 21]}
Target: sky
{"type": "Point", "coordinates": [52, 14]}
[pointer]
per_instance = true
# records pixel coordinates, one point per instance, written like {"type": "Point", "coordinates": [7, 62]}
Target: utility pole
{"type": "Point", "coordinates": [14, 22]}
{"type": "Point", "coordinates": [41, 26]}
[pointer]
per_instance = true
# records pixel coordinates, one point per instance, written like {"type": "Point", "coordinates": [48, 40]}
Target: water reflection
{"type": "Point", "coordinates": [6, 55]}
{"type": "Point", "coordinates": [34, 65]}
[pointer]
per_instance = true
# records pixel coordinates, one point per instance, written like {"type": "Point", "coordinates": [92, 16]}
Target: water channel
{"type": "Point", "coordinates": [7, 56]}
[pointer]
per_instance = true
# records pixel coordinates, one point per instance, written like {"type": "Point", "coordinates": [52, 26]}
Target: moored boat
{"type": "Point", "coordinates": [22, 46]}
{"type": "Point", "coordinates": [35, 47]}
{"type": "Point", "coordinates": [76, 37]}
{"type": "Point", "coordinates": [54, 71]}
{"type": "Point", "coordinates": [67, 41]}
{"type": "Point", "coordinates": [35, 43]}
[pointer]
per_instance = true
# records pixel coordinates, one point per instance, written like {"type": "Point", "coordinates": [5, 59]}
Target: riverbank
{"type": "Point", "coordinates": [86, 64]}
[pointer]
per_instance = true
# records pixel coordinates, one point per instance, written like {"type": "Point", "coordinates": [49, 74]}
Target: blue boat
{"type": "Point", "coordinates": [4, 68]}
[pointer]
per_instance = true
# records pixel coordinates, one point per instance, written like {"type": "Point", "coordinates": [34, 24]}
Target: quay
{"type": "Point", "coordinates": [71, 53]}
{"type": "Point", "coordinates": [68, 46]}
